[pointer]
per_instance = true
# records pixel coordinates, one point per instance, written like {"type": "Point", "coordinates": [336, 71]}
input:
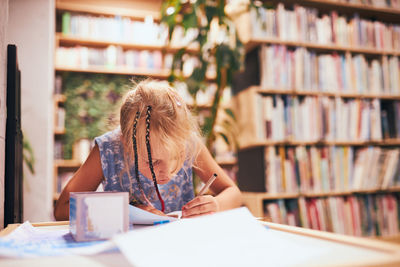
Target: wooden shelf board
{"type": "Point", "coordinates": [255, 42]}
{"type": "Point", "coordinates": [387, 14]}
{"type": "Point", "coordinates": [58, 131]}
{"type": "Point", "coordinates": [66, 40]}
{"type": "Point", "coordinates": [270, 196]}
{"type": "Point", "coordinates": [391, 142]}
{"type": "Point", "coordinates": [269, 91]}
{"type": "Point", "coordinates": [119, 71]}
{"type": "Point", "coordinates": [59, 98]}
{"type": "Point", "coordinates": [160, 74]}
{"type": "Point", "coordinates": [111, 10]}
{"type": "Point", "coordinates": [335, 3]}
{"type": "Point", "coordinates": [66, 163]}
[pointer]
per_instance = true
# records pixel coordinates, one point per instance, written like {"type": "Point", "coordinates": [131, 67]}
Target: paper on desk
{"type": "Point", "coordinates": [233, 238]}
{"type": "Point", "coordinates": [230, 238]}
{"type": "Point", "coordinates": [140, 216]}
{"type": "Point", "coordinates": [28, 242]}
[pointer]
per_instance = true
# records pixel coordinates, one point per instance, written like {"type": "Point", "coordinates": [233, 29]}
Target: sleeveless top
{"type": "Point", "coordinates": [176, 193]}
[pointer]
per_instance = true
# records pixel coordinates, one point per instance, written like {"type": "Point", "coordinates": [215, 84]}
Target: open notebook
{"type": "Point", "coordinates": [139, 216]}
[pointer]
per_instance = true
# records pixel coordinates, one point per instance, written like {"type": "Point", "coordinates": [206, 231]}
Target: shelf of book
{"type": "Point", "coordinates": [59, 118]}
{"type": "Point", "coordinates": [354, 6]}
{"type": "Point", "coordinates": [284, 119]}
{"type": "Point", "coordinates": [137, 10]}
{"type": "Point", "coordinates": [318, 114]}
{"type": "Point", "coordinates": [383, 143]}
{"type": "Point", "coordinates": [384, 11]}
{"type": "Point", "coordinates": [328, 94]}
{"type": "Point", "coordinates": [63, 171]}
{"type": "Point", "coordinates": [256, 42]}
{"type": "Point", "coordinates": [370, 215]}
{"type": "Point", "coordinates": [162, 74]}
{"type": "Point", "coordinates": [59, 98]}
{"type": "Point", "coordinates": [67, 163]}
{"type": "Point", "coordinates": [59, 131]}
{"type": "Point", "coordinates": [66, 40]}
{"type": "Point", "coordinates": [120, 37]}
{"type": "Point", "coordinates": [275, 196]}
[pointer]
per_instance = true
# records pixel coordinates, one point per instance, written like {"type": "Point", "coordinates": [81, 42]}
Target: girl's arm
{"type": "Point", "coordinates": [87, 178]}
{"type": "Point", "coordinates": [227, 194]}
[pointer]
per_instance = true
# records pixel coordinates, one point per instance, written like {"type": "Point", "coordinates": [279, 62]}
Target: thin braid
{"type": "Point", "coordinates": [148, 115]}
{"type": "Point", "coordinates": [135, 152]}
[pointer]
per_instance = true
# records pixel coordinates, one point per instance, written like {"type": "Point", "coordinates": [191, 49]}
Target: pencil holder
{"type": "Point", "coordinates": [98, 215]}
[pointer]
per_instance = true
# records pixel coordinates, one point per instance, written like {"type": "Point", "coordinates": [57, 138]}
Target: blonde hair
{"type": "Point", "coordinates": [171, 121]}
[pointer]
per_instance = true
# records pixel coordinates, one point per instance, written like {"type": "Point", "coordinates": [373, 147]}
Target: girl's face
{"type": "Point", "coordinates": [163, 163]}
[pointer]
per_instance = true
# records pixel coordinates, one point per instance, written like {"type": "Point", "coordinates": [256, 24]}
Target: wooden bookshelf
{"type": "Point", "coordinates": [66, 40]}
{"type": "Point", "coordinates": [67, 163]}
{"type": "Point", "coordinates": [352, 7]}
{"type": "Point", "coordinates": [254, 162]}
{"type": "Point", "coordinates": [60, 166]}
{"type": "Point", "coordinates": [383, 143]}
{"type": "Point", "coordinates": [58, 101]}
{"type": "Point", "coordinates": [135, 9]}
{"type": "Point", "coordinates": [296, 92]}
{"type": "Point", "coordinates": [255, 42]}
{"type": "Point", "coordinates": [59, 131]}
{"type": "Point", "coordinates": [59, 98]}
{"type": "Point", "coordinates": [383, 13]}
{"type": "Point", "coordinates": [161, 74]}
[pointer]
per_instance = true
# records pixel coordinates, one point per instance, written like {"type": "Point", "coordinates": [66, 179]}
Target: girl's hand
{"type": "Point", "coordinates": [150, 209]}
{"type": "Point", "coordinates": [200, 205]}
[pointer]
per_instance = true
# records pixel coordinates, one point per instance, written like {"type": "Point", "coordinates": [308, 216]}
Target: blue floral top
{"type": "Point", "coordinates": [176, 193]}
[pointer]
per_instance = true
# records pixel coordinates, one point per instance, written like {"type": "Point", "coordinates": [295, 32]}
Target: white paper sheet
{"type": "Point", "coordinates": [139, 216]}
{"type": "Point", "coordinates": [27, 241]}
{"type": "Point", "coordinates": [231, 238]}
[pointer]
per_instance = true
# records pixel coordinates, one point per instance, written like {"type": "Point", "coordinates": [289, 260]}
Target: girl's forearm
{"type": "Point", "coordinates": [229, 198]}
{"type": "Point", "coordinates": [61, 211]}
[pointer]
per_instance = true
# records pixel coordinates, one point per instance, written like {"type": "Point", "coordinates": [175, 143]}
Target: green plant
{"type": "Point", "coordinates": [92, 102]}
{"type": "Point", "coordinates": [218, 46]}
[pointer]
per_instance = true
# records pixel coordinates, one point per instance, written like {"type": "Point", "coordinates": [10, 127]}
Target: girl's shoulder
{"type": "Point", "coordinates": [110, 141]}
{"type": "Point", "coordinates": [109, 137]}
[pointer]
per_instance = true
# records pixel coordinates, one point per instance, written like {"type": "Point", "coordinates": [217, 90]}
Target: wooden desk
{"type": "Point", "coordinates": [390, 251]}
{"type": "Point", "coordinates": [52, 225]}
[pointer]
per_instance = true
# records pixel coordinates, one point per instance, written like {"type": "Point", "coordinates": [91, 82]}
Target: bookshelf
{"type": "Point", "coordinates": [75, 44]}
{"type": "Point", "coordinates": [115, 32]}
{"type": "Point", "coordinates": [308, 115]}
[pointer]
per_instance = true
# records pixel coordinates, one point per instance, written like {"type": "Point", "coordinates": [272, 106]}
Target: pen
{"type": "Point", "coordinates": [160, 222]}
{"type": "Point", "coordinates": [207, 185]}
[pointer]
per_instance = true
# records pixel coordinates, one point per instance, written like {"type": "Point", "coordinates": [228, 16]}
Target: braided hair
{"type": "Point", "coordinates": [148, 116]}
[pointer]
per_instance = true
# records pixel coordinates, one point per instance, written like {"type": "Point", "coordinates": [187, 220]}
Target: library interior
{"type": "Point", "coordinates": [296, 102]}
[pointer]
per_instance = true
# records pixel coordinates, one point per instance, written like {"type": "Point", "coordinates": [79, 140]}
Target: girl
{"type": "Point", "coordinates": [151, 156]}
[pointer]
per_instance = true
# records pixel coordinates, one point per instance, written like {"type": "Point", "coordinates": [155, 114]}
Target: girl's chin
{"type": "Point", "coordinates": [163, 181]}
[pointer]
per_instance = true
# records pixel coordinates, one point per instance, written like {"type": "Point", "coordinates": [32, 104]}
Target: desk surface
{"type": "Point", "coordinates": [351, 251]}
